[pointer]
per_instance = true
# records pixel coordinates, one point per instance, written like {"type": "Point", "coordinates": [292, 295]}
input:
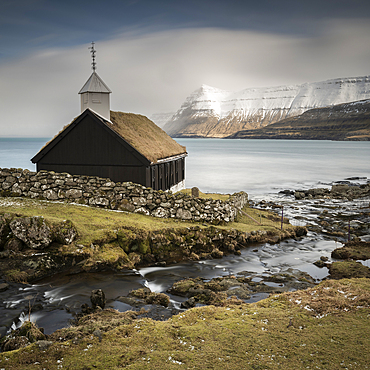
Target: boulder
{"type": "Point", "coordinates": [189, 303]}
{"type": "Point", "coordinates": [33, 231]}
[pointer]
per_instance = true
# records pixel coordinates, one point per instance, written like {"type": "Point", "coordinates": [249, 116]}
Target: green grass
{"type": "Point", "coordinates": [97, 224]}
{"type": "Point", "coordinates": [282, 332]}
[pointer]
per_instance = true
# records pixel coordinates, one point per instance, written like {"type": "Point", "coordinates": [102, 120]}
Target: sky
{"type": "Point", "coordinates": [153, 54]}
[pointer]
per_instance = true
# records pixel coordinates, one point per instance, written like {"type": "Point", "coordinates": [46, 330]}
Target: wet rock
{"type": "Point", "coordinates": [33, 231]}
{"type": "Point", "coordinates": [241, 292]}
{"type": "Point", "coordinates": [131, 301]}
{"type": "Point", "coordinates": [320, 263]}
{"type": "Point", "coordinates": [149, 297]}
{"type": "Point", "coordinates": [182, 287]}
{"type": "Point", "coordinates": [190, 303]}
{"type": "Point", "coordinates": [4, 287]}
{"type": "Point", "coordinates": [97, 298]}
{"type": "Point", "coordinates": [158, 298]}
{"type": "Point", "coordinates": [286, 192]}
{"type": "Point", "coordinates": [216, 253]}
{"type": "Point", "coordinates": [4, 230]}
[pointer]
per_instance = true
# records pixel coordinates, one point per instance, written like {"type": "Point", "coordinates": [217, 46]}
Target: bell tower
{"type": "Point", "coordinates": [95, 93]}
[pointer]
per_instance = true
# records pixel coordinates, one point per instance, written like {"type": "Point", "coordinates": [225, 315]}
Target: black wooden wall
{"type": "Point", "coordinates": [90, 147]}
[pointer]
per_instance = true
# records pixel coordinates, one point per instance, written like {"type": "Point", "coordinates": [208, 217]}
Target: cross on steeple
{"type": "Point", "coordinates": [93, 51]}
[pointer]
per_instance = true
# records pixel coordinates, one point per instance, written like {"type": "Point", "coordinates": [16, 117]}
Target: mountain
{"type": "Point", "coordinates": [211, 112]}
{"type": "Point", "coordinates": [160, 119]}
{"type": "Point", "coordinates": [349, 121]}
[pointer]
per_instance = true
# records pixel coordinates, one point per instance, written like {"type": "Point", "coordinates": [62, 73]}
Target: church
{"type": "Point", "coordinates": [120, 146]}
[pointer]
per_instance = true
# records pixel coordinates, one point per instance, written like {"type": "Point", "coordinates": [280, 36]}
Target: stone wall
{"type": "Point", "coordinates": [126, 196]}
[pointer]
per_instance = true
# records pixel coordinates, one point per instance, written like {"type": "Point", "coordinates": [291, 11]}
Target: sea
{"type": "Point", "coordinates": [258, 167]}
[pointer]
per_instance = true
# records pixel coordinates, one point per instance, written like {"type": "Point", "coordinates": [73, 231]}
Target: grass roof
{"type": "Point", "coordinates": [145, 136]}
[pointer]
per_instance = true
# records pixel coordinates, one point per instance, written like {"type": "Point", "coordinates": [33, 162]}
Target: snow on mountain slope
{"type": "Point", "coordinates": [160, 119]}
{"type": "Point", "coordinates": [212, 112]}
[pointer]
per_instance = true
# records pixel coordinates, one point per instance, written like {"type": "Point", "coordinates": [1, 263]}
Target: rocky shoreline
{"type": "Point", "coordinates": [344, 191]}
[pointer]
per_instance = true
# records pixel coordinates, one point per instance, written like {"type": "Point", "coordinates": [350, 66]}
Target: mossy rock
{"type": "Point", "coordinates": [125, 238]}
{"type": "Point", "coordinates": [356, 250]}
{"type": "Point", "coordinates": [348, 269]}
{"type": "Point", "coordinates": [28, 333]}
{"type": "Point", "coordinates": [158, 298]}
{"type": "Point", "coordinates": [140, 293]}
{"type": "Point", "coordinates": [182, 287]}
{"type": "Point", "coordinates": [151, 297]}
{"type": "Point", "coordinates": [64, 232]}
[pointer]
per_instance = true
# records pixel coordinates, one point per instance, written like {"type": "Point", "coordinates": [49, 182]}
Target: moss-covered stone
{"type": "Point", "coordinates": [348, 269]}
{"type": "Point", "coordinates": [28, 333]}
{"type": "Point", "coordinates": [356, 250]}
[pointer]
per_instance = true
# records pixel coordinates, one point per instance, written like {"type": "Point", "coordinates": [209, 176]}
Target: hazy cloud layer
{"type": "Point", "coordinates": [155, 72]}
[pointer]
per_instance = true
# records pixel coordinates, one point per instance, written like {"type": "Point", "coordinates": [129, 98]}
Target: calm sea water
{"type": "Point", "coordinates": [255, 166]}
{"type": "Point", "coordinates": [17, 152]}
{"type": "Point", "coordinates": [267, 166]}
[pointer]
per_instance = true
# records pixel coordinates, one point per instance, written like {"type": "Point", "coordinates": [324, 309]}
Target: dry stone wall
{"type": "Point", "coordinates": [126, 196]}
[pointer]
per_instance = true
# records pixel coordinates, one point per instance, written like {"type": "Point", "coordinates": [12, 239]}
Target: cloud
{"type": "Point", "coordinates": [155, 72]}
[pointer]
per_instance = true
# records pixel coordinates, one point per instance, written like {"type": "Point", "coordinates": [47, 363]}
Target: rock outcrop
{"type": "Point", "coordinates": [34, 233]}
{"type": "Point", "coordinates": [339, 191]}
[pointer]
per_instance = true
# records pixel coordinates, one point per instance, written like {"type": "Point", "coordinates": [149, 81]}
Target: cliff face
{"type": "Point", "coordinates": [349, 121]}
{"type": "Point", "coordinates": [211, 112]}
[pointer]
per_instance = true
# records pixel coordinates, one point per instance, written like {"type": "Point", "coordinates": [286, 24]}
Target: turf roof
{"type": "Point", "coordinates": [145, 136]}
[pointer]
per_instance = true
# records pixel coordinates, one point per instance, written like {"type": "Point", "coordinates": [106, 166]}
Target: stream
{"type": "Point", "coordinates": [54, 300]}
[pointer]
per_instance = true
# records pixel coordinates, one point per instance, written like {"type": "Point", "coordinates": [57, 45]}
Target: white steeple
{"type": "Point", "coordinates": [95, 93]}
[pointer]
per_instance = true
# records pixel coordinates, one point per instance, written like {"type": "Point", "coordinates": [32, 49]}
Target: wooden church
{"type": "Point", "coordinates": [120, 146]}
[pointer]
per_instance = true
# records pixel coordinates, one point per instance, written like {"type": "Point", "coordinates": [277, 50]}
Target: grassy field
{"type": "Point", "coordinates": [326, 327]}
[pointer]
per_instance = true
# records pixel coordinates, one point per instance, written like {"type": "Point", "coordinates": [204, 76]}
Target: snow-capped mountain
{"type": "Point", "coordinates": [211, 112]}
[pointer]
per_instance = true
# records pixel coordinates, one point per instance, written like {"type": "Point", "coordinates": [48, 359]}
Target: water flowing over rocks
{"type": "Point", "coordinates": [127, 196]}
